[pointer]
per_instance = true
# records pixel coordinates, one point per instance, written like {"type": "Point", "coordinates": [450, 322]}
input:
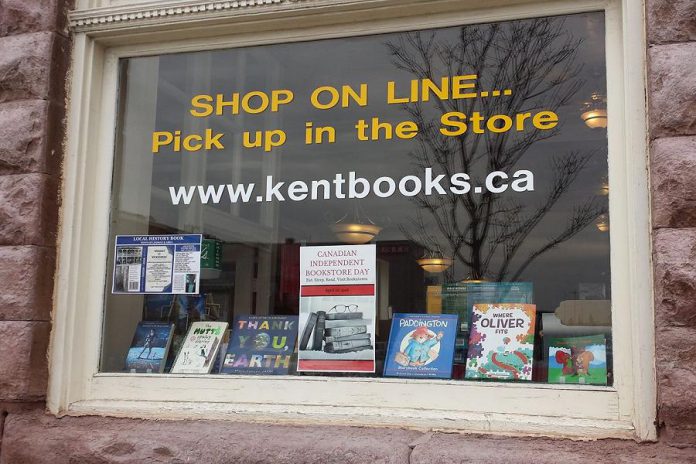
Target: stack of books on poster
{"type": "Point", "coordinates": [336, 333]}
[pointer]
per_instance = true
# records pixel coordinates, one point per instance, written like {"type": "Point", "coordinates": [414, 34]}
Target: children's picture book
{"type": "Point", "coordinates": [148, 350]}
{"type": "Point", "coordinates": [201, 345]}
{"type": "Point", "coordinates": [460, 298]}
{"type": "Point", "coordinates": [581, 360]}
{"type": "Point", "coordinates": [261, 345]}
{"type": "Point", "coordinates": [421, 345]}
{"type": "Point", "coordinates": [501, 341]}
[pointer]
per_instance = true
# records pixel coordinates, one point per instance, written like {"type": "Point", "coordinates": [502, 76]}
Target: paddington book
{"type": "Point", "coordinates": [261, 345]}
{"type": "Point", "coordinates": [578, 360]}
{"type": "Point", "coordinates": [201, 345]}
{"type": "Point", "coordinates": [421, 345]}
{"type": "Point", "coordinates": [148, 350]}
{"type": "Point", "coordinates": [501, 341]}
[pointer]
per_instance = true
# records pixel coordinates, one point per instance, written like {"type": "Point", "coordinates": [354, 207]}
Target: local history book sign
{"type": "Point", "coordinates": [421, 345]}
{"type": "Point", "coordinates": [337, 308]}
{"type": "Point", "coordinates": [157, 264]}
{"type": "Point", "coordinates": [261, 345]}
{"type": "Point", "coordinates": [501, 341]}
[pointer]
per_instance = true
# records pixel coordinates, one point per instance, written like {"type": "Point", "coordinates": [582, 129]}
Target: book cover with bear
{"type": "Point", "coordinates": [421, 345]}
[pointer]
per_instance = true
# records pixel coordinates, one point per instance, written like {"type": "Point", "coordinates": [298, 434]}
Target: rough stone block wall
{"type": "Point", "coordinates": [33, 61]}
{"type": "Point", "coordinates": [95, 440]}
{"type": "Point", "coordinates": [672, 113]}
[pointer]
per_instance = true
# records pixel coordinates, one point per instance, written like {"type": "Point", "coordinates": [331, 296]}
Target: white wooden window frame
{"type": "Point", "coordinates": [106, 30]}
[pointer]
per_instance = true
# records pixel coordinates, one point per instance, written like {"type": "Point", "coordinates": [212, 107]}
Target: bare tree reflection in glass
{"type": "Point", "coordinates": [486, 232]}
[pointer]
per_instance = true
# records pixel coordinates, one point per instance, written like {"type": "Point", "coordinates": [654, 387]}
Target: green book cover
{"type": "Point", "coordinates": [578, 360]}
{"type": "Point", "coordinates": [460, 297]}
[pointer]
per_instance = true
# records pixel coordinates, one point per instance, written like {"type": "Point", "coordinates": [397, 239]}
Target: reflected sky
{"type": "Point", "coordinates": [304, 66]}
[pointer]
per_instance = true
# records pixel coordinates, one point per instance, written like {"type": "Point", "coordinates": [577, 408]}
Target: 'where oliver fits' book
{"type": "Point", "coordinates": [201, 345]}
{"type": "Point", "coordinates": [421, 345]}
{"type": "Point", "coordinates": [460, 298]}
{"type": "Point", "coordinates": [501, 341]}
{"type": "Point", "coordinates": [260, 345]}
{"type": "Point", "coordinates": [581, 360]}
{"type": "Point", "coordinates": [149, 348]}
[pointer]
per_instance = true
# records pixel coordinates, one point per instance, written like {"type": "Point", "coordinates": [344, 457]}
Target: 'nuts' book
{"type": "Point", "coordinates": [198, 352]}
{"type": "Point", "coordinates": [501, 341]}
{"type": "Point", "coordinates": [421, 345]}
{"type": "Point", "coordinates": [581, 360]}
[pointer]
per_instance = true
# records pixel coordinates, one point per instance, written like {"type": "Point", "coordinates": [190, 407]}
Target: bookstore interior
{"type": "Point", "coordinates": [422, 204]}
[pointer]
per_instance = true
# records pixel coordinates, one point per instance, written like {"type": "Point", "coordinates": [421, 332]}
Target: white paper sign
{"type": "Point", "coordinates": [169, 264]}
{"type": "Point", "coordinates": [337, 308]}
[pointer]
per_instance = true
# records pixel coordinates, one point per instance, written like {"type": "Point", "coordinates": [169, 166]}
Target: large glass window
{"type": "Point", "coordinates": [474, 158]}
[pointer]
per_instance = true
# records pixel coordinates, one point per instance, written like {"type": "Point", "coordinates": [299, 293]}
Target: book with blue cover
{"type": "Point", "coordinates": [421, 345]}
{"type": "Point", "coordinates": [260, 345]}
{"type": "Point", "coordinates": [148, 350]}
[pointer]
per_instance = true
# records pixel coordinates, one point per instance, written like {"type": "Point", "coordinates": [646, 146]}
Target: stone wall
{"type": "Point", "coordinates": [95, 440]}
{"type": "Point", "coordinates": [33, 60]}
{"type": "Point", "coordinates": [672, 114]}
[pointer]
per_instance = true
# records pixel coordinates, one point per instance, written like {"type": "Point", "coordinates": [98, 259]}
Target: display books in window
{"type": "Point", "coordinates": [460, 298]}
{"type": "Point", "coordinates": [421, 345]}
{"type": "Point", "coordinates": [501, 341]}
{"type": "Point", "coordinates": [261, 345]}
{"type": "Point", "coordinates": [201, 345]}
{"type": "Point", "coordinates": [581, 360]}
{"type": "Point", "coordinates": [149, 348]}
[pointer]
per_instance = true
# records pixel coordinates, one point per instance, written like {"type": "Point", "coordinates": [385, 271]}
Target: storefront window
{"type": "Point", "coordinates": [457, 176]}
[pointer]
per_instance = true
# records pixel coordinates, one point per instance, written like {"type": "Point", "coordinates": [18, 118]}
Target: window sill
{"type": "Point", "coordinates": [487, 406]}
